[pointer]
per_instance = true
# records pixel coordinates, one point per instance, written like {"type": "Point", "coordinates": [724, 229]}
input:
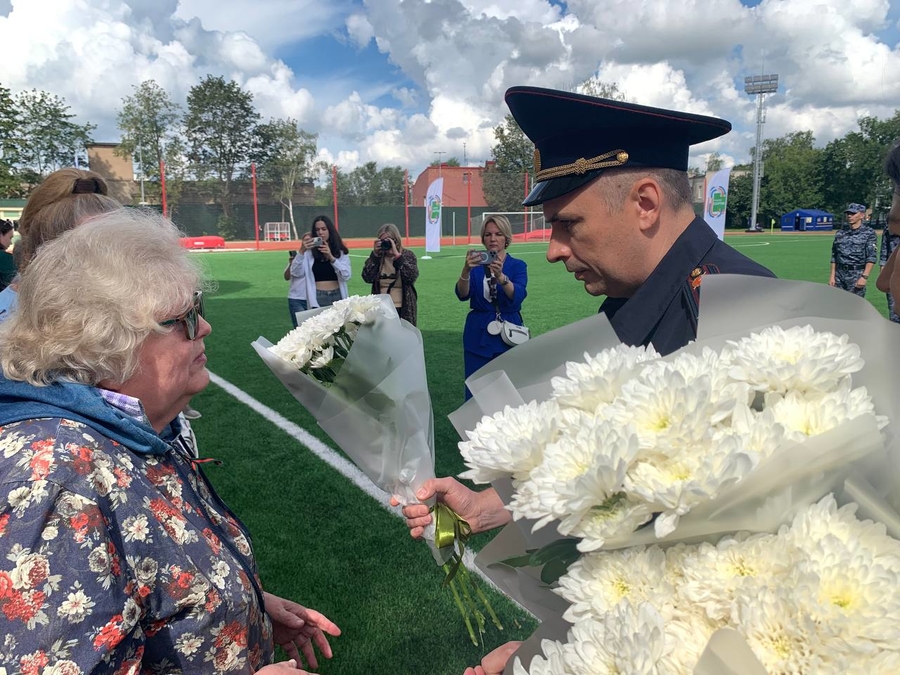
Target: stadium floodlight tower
{"type": "Point", "coordinates": [759, 86]}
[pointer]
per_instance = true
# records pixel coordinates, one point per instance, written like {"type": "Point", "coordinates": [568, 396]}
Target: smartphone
{"type": "Point", "coordinates": [292, 254]}
{"type": "Point", "coordinates": [315, 242]}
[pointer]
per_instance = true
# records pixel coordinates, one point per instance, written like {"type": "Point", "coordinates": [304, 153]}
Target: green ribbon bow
{"type": "Point", "coordinates": [451, 530]}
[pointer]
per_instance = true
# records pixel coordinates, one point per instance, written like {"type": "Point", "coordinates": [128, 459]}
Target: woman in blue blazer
{"type": "Point", "coordinates": [491, 287]}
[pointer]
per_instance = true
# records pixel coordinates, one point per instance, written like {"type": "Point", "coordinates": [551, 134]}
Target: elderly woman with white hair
{"type": "Point", "coordinates": [117, 555]}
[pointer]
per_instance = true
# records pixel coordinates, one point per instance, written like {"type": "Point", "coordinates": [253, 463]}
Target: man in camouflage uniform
{"type": "Point", "coordinates": [853, 253]}
{"type": "Point", "coordinates": [889, 244]}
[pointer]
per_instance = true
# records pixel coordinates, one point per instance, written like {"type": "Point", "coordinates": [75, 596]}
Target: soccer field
{"type": "Point", "coordinates": [320, 539]}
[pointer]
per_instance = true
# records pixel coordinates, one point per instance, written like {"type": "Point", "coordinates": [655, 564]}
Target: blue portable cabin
{"type": "Point", "coordinates": [807, 220]}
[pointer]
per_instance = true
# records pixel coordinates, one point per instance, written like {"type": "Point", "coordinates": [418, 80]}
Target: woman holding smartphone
{"type": "Point", "coordinates": [393, 270]}
{"type": "Point", "coordinates": [319, 273]}
{"type": "Point", "coordinates": [493, 283]}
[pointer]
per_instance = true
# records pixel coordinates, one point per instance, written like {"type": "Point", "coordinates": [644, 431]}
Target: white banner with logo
{"type": "Point", "coordinates": [433, 216]}
{"type": "Point", "coordinates": [715, 200]}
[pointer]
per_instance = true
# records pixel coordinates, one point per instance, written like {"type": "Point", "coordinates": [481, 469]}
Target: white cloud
{"type": "Point", "coordinates": [270, 22]}
{"type": "Point", "coordinates": [360, 30]}
{"type": "Point", "coordinates": [407, 97]}
{"type": "Point", "coordinates": [453, 60]}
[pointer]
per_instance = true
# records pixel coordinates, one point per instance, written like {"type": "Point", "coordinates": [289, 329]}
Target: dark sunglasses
{"type": "Point", "coordinates": [190, 319]}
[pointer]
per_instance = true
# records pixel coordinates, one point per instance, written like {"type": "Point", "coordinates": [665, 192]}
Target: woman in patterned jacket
{"type": "Point", "coordinates": [116, 555]}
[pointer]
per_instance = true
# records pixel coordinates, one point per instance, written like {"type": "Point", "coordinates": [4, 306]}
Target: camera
{"type": "Point", "coordinates": [384, 244]}
{"type": "Point", "coordinates": [315, 242]}
{"type": "Point", "coordinates": [486, 257]}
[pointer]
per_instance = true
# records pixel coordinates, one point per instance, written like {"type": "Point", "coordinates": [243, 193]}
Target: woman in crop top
{"type": "Point", "coordinates": [393, 270]}
{"type": "Point", "coordinates": [319, 275]}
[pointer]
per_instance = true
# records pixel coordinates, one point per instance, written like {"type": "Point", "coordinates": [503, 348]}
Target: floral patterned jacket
{"type": "Point", "coordinates": [114, 561]}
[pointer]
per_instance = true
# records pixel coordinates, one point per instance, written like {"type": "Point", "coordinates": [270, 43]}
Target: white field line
{"type": "Point", "coordinates": [343, 466]}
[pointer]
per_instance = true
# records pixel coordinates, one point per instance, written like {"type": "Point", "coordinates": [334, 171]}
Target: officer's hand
{"type": "Point", "coordinates": [831, 281]}
{"type": "Point", "coordinates": [861, 282]}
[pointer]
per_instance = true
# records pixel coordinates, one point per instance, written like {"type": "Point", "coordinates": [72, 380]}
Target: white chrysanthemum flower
{"type": "Point", "coordinates": [317, 332]}
{"type": "Point", "coordinates": [783, 638]}
{"type": "Point", "coordinates": [551, 663]}
{"type": "Point", "coordinates": [596, 381]}
{"type": "Point", "coordinates": [669, 412]}
{"type": "Point", "coordinates": [580, 470]}
{"type": "Point", "coordinates": [679, 483]}
{"type": "Point", "coordinates": [322, 359]}
{"type": "Point", "coordinates": [714, 574]}
{"type": "Point", "coordinates": [724, 392]}
{"type": "Point", "coordinates": [803, 416]}
{"type": "Point", "coordinates": [616, 516]}
{"type": "Point", "coordinates": [760, 433]}
{"type": "Point", "coordinates": [676, 557]}
{"type": "Point", "coordinates": [510, 442]}
{"type": "Point", "coordinates": [295, 347]}
{"type": "Point", "coordinates": [793, 359]}
{"type": "Point", "coordinates": [850, 596]}
{"type": "Point", "coordinates": [322, 327]}
{"type": "Point", "coordinates": [629, 639]}
{"type": "Point", "coordinates": [359, 309]}
{"type": "Point", "coordinates": [598, 582]}
{"type": "Point", "coordinates": [825, 519]}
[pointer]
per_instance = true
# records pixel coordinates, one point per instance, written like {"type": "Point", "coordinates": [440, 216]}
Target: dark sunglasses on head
{"type": "Point", "coordinates": [190, 319]}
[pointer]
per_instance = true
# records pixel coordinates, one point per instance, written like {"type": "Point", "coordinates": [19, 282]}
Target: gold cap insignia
{"type": "Point", "coordinates": [537, 160]}
{"type": "Point", "coordinates": [581, 165]}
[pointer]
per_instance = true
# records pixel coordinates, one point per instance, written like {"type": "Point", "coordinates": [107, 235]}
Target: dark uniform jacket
{"type": "Point", "coordinates": [663, 312]}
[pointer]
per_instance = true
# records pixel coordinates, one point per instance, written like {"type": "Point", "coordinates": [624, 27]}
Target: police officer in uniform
{"type": "Point", "coordinates": [853, 253]}
{"type": "Point", "coordinates": [612, 180]}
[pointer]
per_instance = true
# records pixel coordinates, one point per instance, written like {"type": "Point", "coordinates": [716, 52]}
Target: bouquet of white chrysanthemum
{"type": "Point", "coordinates": [627, 436]}
{"type": "Point", "coordinates": [771, 409]}
{"type": "Point", "coordinates": [819, 596]}
{"type": "Point", "coordinates": [321, 342]}
{"type": "Point", "coordinates": [360, 371]}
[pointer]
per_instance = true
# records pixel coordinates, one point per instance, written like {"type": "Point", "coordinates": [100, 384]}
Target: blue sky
{"type": "Point", "coordinates": [393, 82]}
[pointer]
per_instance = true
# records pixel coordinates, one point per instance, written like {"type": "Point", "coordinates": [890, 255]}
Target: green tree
{"type": "Point", "coordinates": [366, 185]}
{"type": "Point", "coordinates": [46, 137]}
{"type": "Point", "coordinates": [792, 175]}
{"type": "Point", "coordinates": [594, 86]}
{"type": "Point", "coordinates": [324, 194]}
{"type": "Point", "coordinates": [220, 128]}
{"type": "Point", "coordinates": [714, 163]}
{"type": "Point", "coordinates": [504, 179]}
{"type": "Point", "coordinates": [852, 165]}
{"type": "Point", "coordinates": [10, 184]}
{"type": "Point", "coordinates": [150, 124]}
{"type": "Point", "coordinates": [286, 155]}
{"type": "Point", "coordinates": [740, 197]}
{"type": "Point", "coordinates": [453, 161]}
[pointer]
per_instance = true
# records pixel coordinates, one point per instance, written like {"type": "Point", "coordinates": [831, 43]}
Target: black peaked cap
{"type": "Point", "coordinates": [576, 137]}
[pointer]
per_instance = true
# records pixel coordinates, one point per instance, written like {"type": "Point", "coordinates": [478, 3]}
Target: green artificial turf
{"type": "Point", "coordinates": [319, 539]}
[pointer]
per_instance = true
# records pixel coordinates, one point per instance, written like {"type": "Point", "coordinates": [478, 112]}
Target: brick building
{"type": "Point", "coordinates": [456, 185]}
{"type": "Point", "coordinates": [118, 172]}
